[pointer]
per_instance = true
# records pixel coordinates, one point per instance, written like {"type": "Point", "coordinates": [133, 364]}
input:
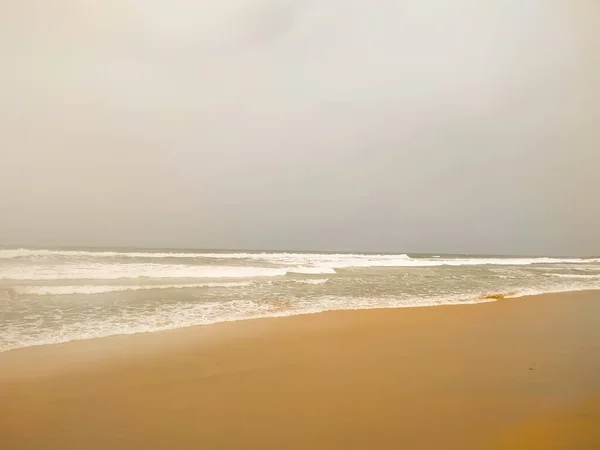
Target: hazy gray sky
{"type": "Point", "coordinates": [383, 125]}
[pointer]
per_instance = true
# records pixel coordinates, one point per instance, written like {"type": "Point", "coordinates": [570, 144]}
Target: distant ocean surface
{"type": "Point", "coordinates": [53, 296]}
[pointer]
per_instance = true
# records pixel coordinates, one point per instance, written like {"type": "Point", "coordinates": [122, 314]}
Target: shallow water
{"type": "Point", "coordinates": [52, 296]}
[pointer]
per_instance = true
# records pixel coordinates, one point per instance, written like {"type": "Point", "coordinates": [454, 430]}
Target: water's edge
{"type": "Point", "coordinates": [466, 302]}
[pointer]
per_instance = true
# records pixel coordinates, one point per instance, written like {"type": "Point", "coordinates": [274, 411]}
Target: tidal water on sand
{"type": "Point", "coordinates": [52, 296]}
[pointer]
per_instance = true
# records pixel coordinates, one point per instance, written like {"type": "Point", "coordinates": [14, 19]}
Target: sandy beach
{"type": "Point", "coordinates": [299, 225]}
{"type": "Point", "coordinates": [513, 374]}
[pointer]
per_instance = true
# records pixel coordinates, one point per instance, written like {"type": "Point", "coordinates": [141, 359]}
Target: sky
{"type": "Point", "coordinates": [470, 126]}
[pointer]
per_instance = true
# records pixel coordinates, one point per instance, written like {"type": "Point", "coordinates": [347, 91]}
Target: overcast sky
{"type": "Point", "coordinates": [377, 125]}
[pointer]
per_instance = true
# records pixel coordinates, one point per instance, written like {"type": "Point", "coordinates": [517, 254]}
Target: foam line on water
{"type": "Point", "coordinates": [180, 315]}
{"type": "Point", "coordinates": [332, 260]}
{"type": "Point", "coordinates": [95, 289]}
{"type": "Point", "coordinates": [275, 267]}
{"type": "Point", "coordinates": [98, 271]}
{"type": "Point", "coordinates": [575, 276]}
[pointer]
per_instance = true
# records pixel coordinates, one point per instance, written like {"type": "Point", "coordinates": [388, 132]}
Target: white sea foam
{"type": "Point", "coordinates": [30, 253]}
{"type": "Point", "coordinates": [576, 276]}
{"type": "Point", "coordinates": [179, 315]}
{"type": "Point", "coordinates": [97, 271]}
{"type": "Point", "coordinates": [325, 260]}
{"type": "Point", "coordinates": [312, 281]}
{"type": "Point", "coordinates": [236, 287]}
{"type": "Point", "coordinates": [263, 256]}
{"type": "Point", "coordinates": [274, 265]}
{"type": "Point", "coordinates": [94, 289]}
{"type": "Point", "coordinates": [311, 270]}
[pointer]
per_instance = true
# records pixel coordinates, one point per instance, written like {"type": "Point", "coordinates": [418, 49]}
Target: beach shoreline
{"type": "Point", "coordinates": [466, 301]}
{"type": "Point", "coordinates": [56, 296]}
{"type": "Point", "coordinates": [482, 376]}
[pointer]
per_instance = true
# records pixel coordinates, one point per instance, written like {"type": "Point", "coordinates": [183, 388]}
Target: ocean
{"type": "Point", "coordinates": [54, 296]}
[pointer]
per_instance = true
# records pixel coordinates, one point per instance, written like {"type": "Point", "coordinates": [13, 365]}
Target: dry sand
{"type": "Point", "coordinates": [514, 374]}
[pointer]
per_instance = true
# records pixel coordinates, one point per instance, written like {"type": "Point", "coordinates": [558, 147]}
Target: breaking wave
{"type": "Point", "coordinates": [51, 296]}
{"type": "Point", "coordinates": [93, 289]}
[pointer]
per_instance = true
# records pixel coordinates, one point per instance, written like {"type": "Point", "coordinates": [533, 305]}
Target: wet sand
{"type": "Point", "coordinates": [513, 374]}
